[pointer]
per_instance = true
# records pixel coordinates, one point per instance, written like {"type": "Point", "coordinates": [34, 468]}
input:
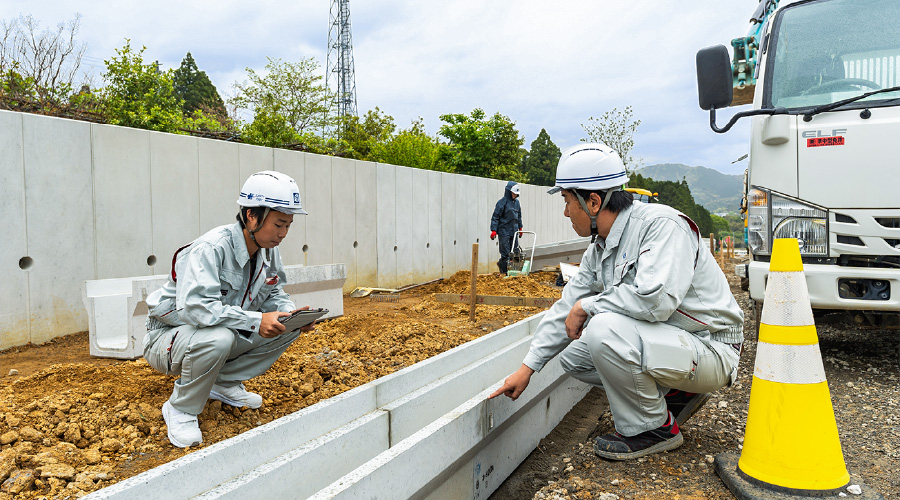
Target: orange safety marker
{"type": "Point", "coordinates": [791, 444]}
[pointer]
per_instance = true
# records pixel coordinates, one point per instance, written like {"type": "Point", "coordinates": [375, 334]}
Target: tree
{"type": "Point", "coordinates": [615, 129]}
{"type": "Point", "coordinates": [483, 147]}
{"type": "Point", "coordinates": [362, 136]}
{"type": "Point", "coordinates": [411, 148]}
{"type": "Point", "coordinates": [139, 95]}
{"type": "Point", "coordinates": [539, 164]}
{"type": "Point", "coordinates": [39, 64]}
{"type": "Point", "coordinates": [292, 90]}
{"type": "Point", "coordinates": [196, 90]}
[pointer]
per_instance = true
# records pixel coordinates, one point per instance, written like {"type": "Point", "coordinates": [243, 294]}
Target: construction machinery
{"type": "Point", "coordinates": [643, 195]}
{"type": "Point", "coordinates": [823, 142]}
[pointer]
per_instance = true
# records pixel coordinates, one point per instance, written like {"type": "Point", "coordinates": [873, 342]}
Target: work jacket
{"type": "Point", "coordinates": [651, 267]}
{"type": "Point", "coordinates": [507, 217]}
{"type": "Point", "coordinates": [211, 284]}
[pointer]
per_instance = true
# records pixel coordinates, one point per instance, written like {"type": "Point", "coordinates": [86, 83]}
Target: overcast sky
{"type": "Point", "coordinates": [551, 65]}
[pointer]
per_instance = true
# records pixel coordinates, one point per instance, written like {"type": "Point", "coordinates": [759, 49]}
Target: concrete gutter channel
{"type": "Point", "coordinates": [426, 431]}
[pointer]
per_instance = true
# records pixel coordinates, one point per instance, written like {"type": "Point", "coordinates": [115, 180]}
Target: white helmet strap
{"type": "Point", "coordinates": [606, 196]}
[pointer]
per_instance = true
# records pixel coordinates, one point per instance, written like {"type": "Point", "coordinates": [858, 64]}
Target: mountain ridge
{"type": "Point", "coordinates": [715, 191]}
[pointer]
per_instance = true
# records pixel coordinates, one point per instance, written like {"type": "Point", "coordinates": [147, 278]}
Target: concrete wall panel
{"type": "Point", "coordinates": [366, 225]}
{"type": "Point", "coordinates": [174, 204]}
{"type": "Point", "coordinates": [343, 217]}
{"type": "Point", "coordinates": [254, 159]}
{"type": "Point", "coordinates": [434, 243]}
{"type": "Point", "coordinates": [291, 249]}
{"type": "Point", "coordinates": [386, 219]}
{"type": "Point", "coordinates": [466, 212]}
{"type": "Point", "coordinates": [58, 208]}
{"type": "Point", "coordinates": [406, 230]}
{"type": "Point", "coordinates": [317, 177]}
{"type": "Point", "coordinates": [220, 182]}
{"type": "Point", "coordinates": [419, 207]}
{"type": "Point", "coordinates": [122, 215]}
{"type": "Point", "coordinates": [14, 264]}
{"type": "Point", "coordinates": [448, 223]}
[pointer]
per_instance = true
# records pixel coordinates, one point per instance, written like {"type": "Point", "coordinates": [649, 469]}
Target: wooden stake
{"type": "Point", "coordinates": [473, 290]}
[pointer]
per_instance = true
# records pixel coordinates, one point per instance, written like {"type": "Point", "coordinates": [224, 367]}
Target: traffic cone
{"type": "Point", "coordinates": [791, 444]}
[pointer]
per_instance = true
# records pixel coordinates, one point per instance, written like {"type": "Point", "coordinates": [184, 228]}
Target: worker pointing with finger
{"type": "Point", "coordinates": [649, 317]}
{"type": "Point", "coordinates": [507, 219]}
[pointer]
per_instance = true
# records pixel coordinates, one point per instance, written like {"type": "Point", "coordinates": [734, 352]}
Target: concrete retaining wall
{"type": "Point", "coordinates": [86, 201]}
{"type": "Point", "coordinates": [425, 431]}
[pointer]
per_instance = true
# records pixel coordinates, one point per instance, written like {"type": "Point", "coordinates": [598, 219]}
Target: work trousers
{"type": "Point", "coordinates": [637, 362]}
{"type": "Point", "coordinates": [206, 356]}
{"type": "Point", "coordinates": [505, 244]}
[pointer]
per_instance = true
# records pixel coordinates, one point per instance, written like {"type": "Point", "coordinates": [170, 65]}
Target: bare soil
{"type": "Point", "coordinates": [71, 423]}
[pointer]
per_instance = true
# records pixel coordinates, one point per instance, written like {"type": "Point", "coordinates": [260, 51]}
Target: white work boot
{"type": "Point", "coordinates": [182, 427]}
{"type": "Point", "coordinates": [236, 396]}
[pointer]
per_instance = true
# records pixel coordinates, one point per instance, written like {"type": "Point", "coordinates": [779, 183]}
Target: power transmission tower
{"type": "Point", "coordinates": [340, 73]}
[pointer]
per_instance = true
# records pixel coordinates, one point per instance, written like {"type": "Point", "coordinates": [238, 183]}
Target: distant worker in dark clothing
{"type": "Point", "coordinates": [506, 220]}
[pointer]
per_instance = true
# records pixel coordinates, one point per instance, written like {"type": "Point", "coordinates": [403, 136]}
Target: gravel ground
{"type": "Point", "coordinates": [863, 371]}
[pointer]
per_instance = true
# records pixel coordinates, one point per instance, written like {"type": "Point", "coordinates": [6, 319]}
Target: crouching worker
{"type": "Point", "coordinates": [215, 323]}
{"type": "Point", "coordinates": [649, 317]}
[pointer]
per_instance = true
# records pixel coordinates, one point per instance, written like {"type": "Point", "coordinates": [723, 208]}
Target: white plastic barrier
{"type": "Point", "coordinates": [117, 308]}
{"type": "Point", "coordinates": [425, 429]}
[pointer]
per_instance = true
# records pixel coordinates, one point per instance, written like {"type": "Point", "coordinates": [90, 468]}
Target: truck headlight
{"type": "Point", "coordinates": [773, 216]}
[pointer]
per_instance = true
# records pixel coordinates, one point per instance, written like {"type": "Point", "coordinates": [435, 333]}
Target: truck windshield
{"type": "Point", "coordinates": [828, 50]}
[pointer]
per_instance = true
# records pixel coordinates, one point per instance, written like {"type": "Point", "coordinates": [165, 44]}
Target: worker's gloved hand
{"type": "Point", "coordinates": [493, 234]}
{"type": "Point", "coordinates": [520, 232]}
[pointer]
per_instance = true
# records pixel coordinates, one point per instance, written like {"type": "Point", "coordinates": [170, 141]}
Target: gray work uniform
{"type": "Point", "coordinates": [660, 315]}
{"type": "Point", "coordinates": [204, 322]}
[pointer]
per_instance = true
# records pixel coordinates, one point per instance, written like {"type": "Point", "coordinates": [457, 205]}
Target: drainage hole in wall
{"type": "Point", "coordinates": [477, 240]}
{"type": "Point", "coordinates": [428, 245]}
{"type": "Point", "coordinates": [395, 248]}
{"type": "Point", "coordinates": [305, 248]}
{"type": "Point", "coordinates": [355, 244]}
{"type": "Point", "coordinates": [454, 242]}
{"type": "Point", "coordinates": [25, 263]}
{"type": "Point", "coordinates": [151, 260]}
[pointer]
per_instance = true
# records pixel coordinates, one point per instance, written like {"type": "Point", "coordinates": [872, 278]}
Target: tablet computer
{"type": "Point", "coordinates": [301, 318]}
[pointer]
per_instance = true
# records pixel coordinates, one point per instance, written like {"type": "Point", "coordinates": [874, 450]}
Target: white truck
{"type": "Point", "coordinates": [824, 163]}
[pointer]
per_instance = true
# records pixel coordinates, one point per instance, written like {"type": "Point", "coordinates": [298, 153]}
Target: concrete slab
{"type": "Point", "coordinates": [174, 200]}
{"type": "Point", "coordinates": [366, 225]}
{"type": "Point", "coordinates": [448, 224]}
{"type": "Point", "coordinates": [14, 259]}
{"type": "Point", "coordinates": [209, 468]}
{"type": "Point", "coordinates": [406, 230]}
{"type": "Point", "coordinates": [385, 220]}
{"type": "Point", "coordinates": [343, 216]}
{"type": "Point", "coordinates": [59, 213]}
{"type": "Point", "coordinates": [220, 182]}
{"type": "Point", "coordinates": [319, 231]}
{"type": "Point", "coordinates": [293, 163]}
{"type": "Point", "coordinates": [434, 243]}
{"type": "Point", "coordinates": [122, 216]}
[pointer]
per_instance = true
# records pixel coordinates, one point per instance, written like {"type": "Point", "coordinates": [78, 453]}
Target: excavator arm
{"type": "Point", "coordinates": [743, 62]}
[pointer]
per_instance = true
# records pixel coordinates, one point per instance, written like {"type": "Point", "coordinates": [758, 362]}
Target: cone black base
{"type": "Point", "coordinates": [726, 467]}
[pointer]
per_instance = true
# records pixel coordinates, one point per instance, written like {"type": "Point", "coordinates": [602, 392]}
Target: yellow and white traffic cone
{"type": "Point", "coordinates": [791, 443]}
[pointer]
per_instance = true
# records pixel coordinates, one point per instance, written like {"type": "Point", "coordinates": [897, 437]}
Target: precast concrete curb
{"type": "Point", "coordinates": [405, 414]}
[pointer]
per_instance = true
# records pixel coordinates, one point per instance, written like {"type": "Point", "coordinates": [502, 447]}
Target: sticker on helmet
{"type": "Point", "coordinates": [257, 197]}
{"type": "Point", "coordinates": [296, 197]}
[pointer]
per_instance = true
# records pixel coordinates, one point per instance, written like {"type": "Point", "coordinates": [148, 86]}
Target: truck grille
{"type": "Point", "coordinates": [868, 238]}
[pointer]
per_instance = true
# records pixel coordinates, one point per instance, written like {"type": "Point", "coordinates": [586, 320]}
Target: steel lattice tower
{"type": "Point", "coordinates": [340, 73]}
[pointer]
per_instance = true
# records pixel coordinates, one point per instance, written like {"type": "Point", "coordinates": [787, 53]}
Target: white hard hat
{"type": "Point", "coordinates": [273, 190]}
{"type": "Point", "coordinates": [591, 166]}
{"type": "Point", "coordinates": [514, 189]}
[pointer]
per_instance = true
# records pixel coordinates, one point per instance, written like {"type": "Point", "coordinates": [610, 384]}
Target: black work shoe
{"type": "Point", "coordinates": [618, 447]}
{"type": "Point", "coordinates": [684, 404]}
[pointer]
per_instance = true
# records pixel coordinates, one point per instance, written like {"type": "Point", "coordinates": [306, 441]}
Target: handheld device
{"type": "Point", "coordinates": [299, 319]}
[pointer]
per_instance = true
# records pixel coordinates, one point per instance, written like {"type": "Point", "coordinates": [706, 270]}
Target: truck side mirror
{"type": "Point", "coordinates": [714, 78]}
